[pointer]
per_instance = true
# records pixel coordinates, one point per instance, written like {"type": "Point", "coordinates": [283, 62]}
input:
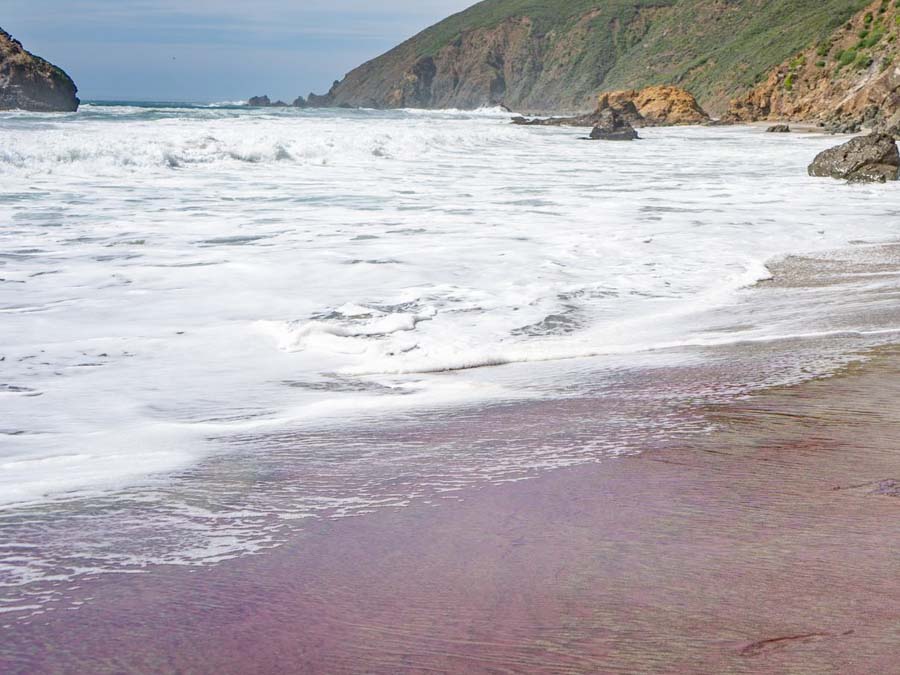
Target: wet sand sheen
{"type": "Point", "coordinates": [768, 546]}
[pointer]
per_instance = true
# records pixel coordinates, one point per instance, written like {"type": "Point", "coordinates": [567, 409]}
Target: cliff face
{"type": "Point", "coordinates": [28, 82]}
{"type": "Point", "coordinates": [850, 79]}
{"type": "Point", "coordinates": [557, 55]}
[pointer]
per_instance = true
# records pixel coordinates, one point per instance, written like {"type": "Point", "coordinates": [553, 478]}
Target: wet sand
{"type": "Point", "coordinates": [768, 546]}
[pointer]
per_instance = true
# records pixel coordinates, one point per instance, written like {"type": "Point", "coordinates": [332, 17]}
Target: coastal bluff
{"type": "Point", "coordinates": [28, 82]}
{"type": "Point", "coordinates": [543, 57]}
{"type": "Point", "coordinates": [845, 82]}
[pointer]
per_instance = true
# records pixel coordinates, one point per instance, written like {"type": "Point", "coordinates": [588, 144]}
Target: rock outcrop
{"type": "Point", "coordinates": [872, 158]}
{"type": "Point", "coordinates": [662, 105]}
{"type": "Point", "coordinates": [651, 107]}
{"type": "Point", "coordinates": [779, 129]}
{"type": "Point", "coordinates": [553, 56]}
{"type": "Point", "coordinates": [265, 102]}
{"type": "Point", "coordinates": [612, 127]}
{"type": "Point", "coordinates": [847, 81]}
{"type": "Point", "coordinates": [28, 82]}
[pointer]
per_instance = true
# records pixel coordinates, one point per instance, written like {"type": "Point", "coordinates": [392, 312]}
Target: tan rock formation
{"type": "Point", "coordinates": [662, 105]}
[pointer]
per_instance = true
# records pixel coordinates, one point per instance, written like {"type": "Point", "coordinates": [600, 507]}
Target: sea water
{"type": "Point", "coordinates": [215, 320]}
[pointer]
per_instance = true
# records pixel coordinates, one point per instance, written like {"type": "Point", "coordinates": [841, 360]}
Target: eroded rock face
{"type": "Point", "coordinates": [657, 106]}
{"type": "Point", "coordinates": [28, 82]}
{"type": "Point", "coordinates": [847, 82]}
{"type": "Point", "coordinates": [873, 158]}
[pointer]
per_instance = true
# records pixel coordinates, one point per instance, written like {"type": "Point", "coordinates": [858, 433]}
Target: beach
{"type": "Point", "coordinates": [293, 416]}
{"type": "Point", "coordinates": [764, 547]}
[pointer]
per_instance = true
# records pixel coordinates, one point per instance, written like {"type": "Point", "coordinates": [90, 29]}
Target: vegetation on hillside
{"type": "Point", "coordinates": [715, 48]}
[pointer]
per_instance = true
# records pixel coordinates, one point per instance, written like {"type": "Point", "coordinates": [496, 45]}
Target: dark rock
{"type": "Point", "coordinates": [890, 126]}
{"type": "Point", "coordinates": [590, 120]}
{"type": "Point", "coordinates": [872, 158]}
{"type": "Point", "coordinates": [779, 129]}
{"type": "Point", "coordinates": [28, 82]}
{"type": "Point", "coordinates": [612, 127]}
{"type": "Point", "coordinates": [317, 101]}
{"type": "Point", "coordinates": [624, 110]}
{"type": "Point", "coordinates": [625, 134]}
{"type": "Point", "coordinates": [579, 121]}
{"type": "Point", "coordinates": [259, 102]}
{"type": "Point", "coordinates": [299, 102]}
{"type": "Point", "coordinates": [279, 104]}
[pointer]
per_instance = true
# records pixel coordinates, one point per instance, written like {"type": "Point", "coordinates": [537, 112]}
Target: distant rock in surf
{"type": "Point", "coordinates": [866, 159]}
{"type": "Point", "coordinates": [612, 127]}
{"type": "Point", "coordinates": [28, 82]}
{"type": "Point", "coordinates": [779, 129]}
{"type": "Point", "coordinates": [266, 102]}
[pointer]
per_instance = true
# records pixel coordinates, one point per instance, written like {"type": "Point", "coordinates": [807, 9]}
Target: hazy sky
{"type": "Point", "coordinates": [213, 50]}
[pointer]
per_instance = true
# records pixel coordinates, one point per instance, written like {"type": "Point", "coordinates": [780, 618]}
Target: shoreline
{"type": "Point", "coordinates": [762, 547]}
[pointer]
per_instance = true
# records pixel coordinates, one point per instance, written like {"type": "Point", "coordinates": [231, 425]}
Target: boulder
{"type": "Point", "coordinates": [612, 127]}
{"type": "Point", "coordinates": [259, 102]}
{"type": "Point", "coordinates": [872, 158]}
{"type": "Point", "coordinates": [28, 82]}
{"type": "Point", "coordinates": [779, 129]}
{"type": "Point", "coordinates": [299, 102]}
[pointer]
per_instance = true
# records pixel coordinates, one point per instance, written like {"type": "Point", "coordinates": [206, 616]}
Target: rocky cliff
{"type": "Point", "coordinates": [849, 80]}
{"type": "Point", "coordinates": [28, 82]}
{"type": "Point", "coordinates": [556, 55]}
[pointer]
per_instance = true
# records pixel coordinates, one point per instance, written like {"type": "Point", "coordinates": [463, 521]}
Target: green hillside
{"type": "Point", "coordinates": [555, 54]}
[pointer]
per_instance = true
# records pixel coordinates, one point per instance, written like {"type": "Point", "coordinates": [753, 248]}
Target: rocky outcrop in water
{"type": "Point", "coordinates": [28, 82]}
{"type": "Point", "coordinates": [779, 129]}
{"type": "Point", "coordinates": [266, 102]}
{"type": "Point", "coordinates": [612, 127]}
{"type": "Point", "coordinates": [651, 107]}
{"type": "Point", "coordinates": [872, 158]}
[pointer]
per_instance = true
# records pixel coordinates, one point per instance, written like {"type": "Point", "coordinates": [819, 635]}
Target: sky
{"type": "Point", "coordinates": [213, 50]}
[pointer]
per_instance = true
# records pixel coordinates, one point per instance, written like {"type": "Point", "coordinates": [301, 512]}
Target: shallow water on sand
{"type": "Point", "coordinates": [218, 323]}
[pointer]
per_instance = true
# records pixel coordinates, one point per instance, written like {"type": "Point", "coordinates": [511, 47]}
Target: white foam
{"type": "Point", "coordinates": [192, 275]}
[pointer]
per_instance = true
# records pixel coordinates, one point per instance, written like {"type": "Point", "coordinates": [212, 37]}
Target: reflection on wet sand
{"type": "Point", "coordinates": [767, 546]}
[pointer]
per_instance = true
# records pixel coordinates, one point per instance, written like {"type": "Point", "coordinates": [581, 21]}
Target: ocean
{"type": "Point", "coordinates": [217, 323]}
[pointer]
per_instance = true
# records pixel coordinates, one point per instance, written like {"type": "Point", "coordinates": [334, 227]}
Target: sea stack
{"type": "Point", "coordinates": [28, 82]}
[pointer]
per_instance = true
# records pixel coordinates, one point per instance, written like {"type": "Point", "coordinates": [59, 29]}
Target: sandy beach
{"type": "Point", "coordinates": [765, 547]}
